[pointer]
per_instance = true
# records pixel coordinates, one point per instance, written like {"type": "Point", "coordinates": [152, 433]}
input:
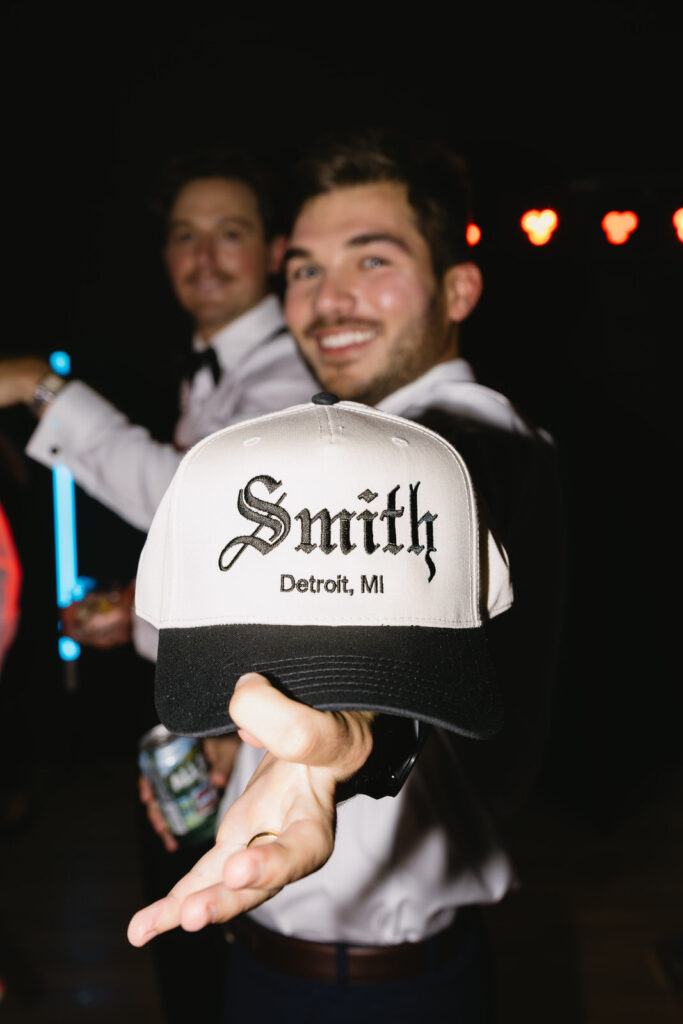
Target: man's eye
{"type": "Point", "coordinates": [231, 235]}
{"type": "Point", "coordinates": [303, 273]}
{"type": "Point", "coordinates": [373, 261]}
{"type": "Point", "coordinates": [181, 238]}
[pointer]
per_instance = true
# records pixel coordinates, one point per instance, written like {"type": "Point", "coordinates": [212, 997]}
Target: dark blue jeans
{"type": "Point", "coordinates": [458, 992]}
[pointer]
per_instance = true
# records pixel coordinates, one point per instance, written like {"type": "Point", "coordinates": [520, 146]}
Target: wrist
{"type": "Point", "coordinates": [396, 744]}
{"type": "Point", "coordinates": [45, 388]}
{"type": "Point", "coordinates": [23, 375]}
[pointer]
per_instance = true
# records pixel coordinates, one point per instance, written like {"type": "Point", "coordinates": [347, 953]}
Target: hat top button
{"type": "Point", "coordinates": [324, 398]}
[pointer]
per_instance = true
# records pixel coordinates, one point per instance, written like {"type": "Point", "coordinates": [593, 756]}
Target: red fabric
{"type": "Point", "coordinates": [10, 586]}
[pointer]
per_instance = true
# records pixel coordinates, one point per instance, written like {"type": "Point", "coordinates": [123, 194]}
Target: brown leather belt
{"type": "Point", "coordinates": [338, 962]}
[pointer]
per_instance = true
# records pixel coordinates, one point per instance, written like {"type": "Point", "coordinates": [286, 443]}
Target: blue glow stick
{"type": "Point", "coordinates": [70, 586]}
{"type": "Point", "coordinates": [61, 363]}
{"type": "Point", "coordinates": [69, 650]}
{"type": "Point", "coordinates": [64, 501]}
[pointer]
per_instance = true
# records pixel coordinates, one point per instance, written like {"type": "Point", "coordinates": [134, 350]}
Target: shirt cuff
{"type": "Point", "coordinates": [63, 429]}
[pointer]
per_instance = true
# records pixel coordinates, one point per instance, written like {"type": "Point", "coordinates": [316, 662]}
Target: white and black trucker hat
{"type": "Point", "coordinates": [336, 550]}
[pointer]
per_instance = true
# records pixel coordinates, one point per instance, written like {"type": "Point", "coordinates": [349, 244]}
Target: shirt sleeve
{"type": "Point", "coordinates": [118, 463]}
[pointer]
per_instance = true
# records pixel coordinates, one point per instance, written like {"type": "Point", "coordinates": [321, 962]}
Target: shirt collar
{"type": "Point", "coordinates": [238, 338]}
{"type": "Point", "coordinates": [454, 371]}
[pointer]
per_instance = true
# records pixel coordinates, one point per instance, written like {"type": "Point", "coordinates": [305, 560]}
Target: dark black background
{"type": "Point", "coordinates": [579, 110]}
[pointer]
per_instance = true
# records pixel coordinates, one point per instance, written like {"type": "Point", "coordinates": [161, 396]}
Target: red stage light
{"type": "Point", "coordinates": [539, 225]}
{"type": "Point", "coordinates": [618, 226]}
{"type": "Point", "coordinates": [473, 234]}
{"type": "Point", "coordinates": [678, 223]}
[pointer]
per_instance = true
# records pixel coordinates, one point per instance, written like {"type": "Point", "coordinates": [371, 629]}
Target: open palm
{"type": "Point", "coordinates": [291, 793]}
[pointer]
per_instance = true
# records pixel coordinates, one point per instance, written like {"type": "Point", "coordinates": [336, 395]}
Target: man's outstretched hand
{"type": "Point", "coordinates": [291, 793]}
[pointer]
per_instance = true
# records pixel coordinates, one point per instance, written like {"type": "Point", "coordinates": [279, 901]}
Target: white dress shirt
{"type": "Point", "coordinates": [403, 865]}
{"type": "Point", "coordinates": [122, 466]}
{"type": "Point", "coordinates": [261, 372]}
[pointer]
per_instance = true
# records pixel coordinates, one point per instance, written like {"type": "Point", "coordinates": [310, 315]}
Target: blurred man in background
{"type": "Point", "coordinates": [221, 252]}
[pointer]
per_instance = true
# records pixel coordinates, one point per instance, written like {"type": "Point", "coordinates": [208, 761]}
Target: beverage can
{"type": "Point", "coordinates": [179, 776]}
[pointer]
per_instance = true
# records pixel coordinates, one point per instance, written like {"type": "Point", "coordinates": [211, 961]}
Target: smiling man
{"type": "Point", "coordinates": [378, 281]}
{"type": "Point", "coordinates": [216, 253]}
{"type": "Point", "coordinates": [220, 250]}
{"type": "Point", "coordinates": [362, 296]}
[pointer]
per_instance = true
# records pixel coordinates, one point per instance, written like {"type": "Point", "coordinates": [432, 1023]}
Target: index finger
{"type": "Point", "coordinates": [245, 879]}
{"type": "Point", "coordinates": [164, 914]}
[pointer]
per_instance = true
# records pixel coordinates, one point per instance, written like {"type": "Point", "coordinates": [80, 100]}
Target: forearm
{"type": "Point", "coordinates": [115, 461]}
{"type": "Point", "coordinates": [19, 379]}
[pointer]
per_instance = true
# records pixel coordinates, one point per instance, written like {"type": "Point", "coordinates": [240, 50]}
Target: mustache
{"type": "Point", "coordinates": [220, 275]}
{"type": "Point", "coordinates": [348, 323]}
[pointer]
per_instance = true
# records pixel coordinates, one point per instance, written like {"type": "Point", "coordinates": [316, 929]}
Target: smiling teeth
{"type": "Point", "coordinates": [346, 338]}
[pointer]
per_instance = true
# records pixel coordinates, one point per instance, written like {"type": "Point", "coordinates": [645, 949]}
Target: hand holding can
{"type": "Point", "coordinates": [178, 775]}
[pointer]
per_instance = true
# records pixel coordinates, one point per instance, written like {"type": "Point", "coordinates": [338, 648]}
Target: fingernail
{"type": "Point", "coordinates": [244, 679]}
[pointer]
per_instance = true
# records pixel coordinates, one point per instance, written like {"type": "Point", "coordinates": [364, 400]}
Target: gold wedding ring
{"type": "Point", "coordinates": [262, 835]}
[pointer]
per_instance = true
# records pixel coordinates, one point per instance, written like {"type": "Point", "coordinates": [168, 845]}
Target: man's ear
{"type": "Point", "coordinates": [276, 251]}
{"type": "Point", "coordinates": [463, 285]}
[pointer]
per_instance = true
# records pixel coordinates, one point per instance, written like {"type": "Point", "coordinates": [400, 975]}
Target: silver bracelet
{"type": "Point", "coordinates": [49, 385]}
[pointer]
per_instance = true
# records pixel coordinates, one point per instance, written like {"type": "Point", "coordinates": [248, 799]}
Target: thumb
{"type": "Point", "coordinates": [292, 731]}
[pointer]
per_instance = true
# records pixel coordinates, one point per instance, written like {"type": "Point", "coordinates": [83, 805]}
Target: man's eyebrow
{"type": "Point", "coordinates": [379, 236]}
{"type": "Point", "coordinates": [295, 254]}
{"type": "Point", "coordinates": [356, 242]}
{"type": "Point", "coordinates": [181, 222]}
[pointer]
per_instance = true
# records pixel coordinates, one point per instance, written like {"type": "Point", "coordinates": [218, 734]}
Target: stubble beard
{"type": "Point", "coordinates": [414, 352]}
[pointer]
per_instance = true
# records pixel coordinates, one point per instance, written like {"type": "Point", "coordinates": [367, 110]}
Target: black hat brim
{"type": "Point", "coordinates": [441, 676]}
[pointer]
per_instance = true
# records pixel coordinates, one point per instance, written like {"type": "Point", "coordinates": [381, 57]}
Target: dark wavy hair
{"type": "Point", "coordinates": [437, 182]}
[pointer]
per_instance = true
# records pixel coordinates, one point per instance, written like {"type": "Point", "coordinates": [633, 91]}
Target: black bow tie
{"type": "Point", "coordinates": [194, 361]}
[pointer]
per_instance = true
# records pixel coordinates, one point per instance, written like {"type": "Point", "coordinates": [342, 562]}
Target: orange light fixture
{"type": "Point", "coordinates": [539, 225]}
{"type": "Point", "coordinates": [473, 234]}
{"type": "Point", "coordinates": [678, 223]}
{"type": "Point", "coordinates": [618, 226]}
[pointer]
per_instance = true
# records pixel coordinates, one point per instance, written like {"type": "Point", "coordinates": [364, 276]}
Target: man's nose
{"type": "Point", "coordinates": [334, 296]}
{"type": "Point", "coordinates": [205, 250]}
